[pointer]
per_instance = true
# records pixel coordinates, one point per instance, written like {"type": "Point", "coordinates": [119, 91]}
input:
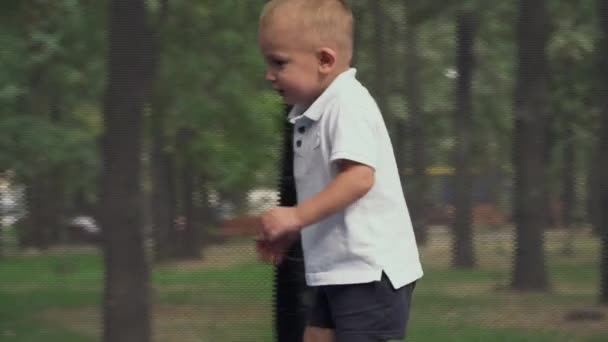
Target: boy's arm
{"type": "Point", "coordinates": [353, 181]}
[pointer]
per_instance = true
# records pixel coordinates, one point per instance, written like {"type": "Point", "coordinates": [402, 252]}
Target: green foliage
{"type": "Point", "coordinates": [212, 83]}
{"type": "Point", "coordinates": [53, 70]}
{"type": "Point", "coordinates": [32, 146]}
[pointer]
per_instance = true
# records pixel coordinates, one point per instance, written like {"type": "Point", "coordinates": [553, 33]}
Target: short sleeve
{"type": "Point", "coordinates": [352, 132]}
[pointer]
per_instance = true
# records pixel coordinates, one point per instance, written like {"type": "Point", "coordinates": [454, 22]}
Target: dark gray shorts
{"type": "Point", "coordinates": [370, 312]}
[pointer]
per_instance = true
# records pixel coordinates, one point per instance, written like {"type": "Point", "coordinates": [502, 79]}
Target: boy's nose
{"type": "Point", "coordinates": [270, 76]}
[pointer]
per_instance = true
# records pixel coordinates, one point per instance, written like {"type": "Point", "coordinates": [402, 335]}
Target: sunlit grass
{"type": "Point", "coordinates": [56, 295]}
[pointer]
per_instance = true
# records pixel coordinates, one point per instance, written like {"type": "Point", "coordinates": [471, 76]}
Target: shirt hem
{"type": "Point", "coordinates": [343, 278]}
{"type": "Point", "coordinates": [360, 277]}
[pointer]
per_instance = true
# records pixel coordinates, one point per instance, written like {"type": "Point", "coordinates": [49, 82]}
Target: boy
{"type": "Point", "coordinates": [359, 247]}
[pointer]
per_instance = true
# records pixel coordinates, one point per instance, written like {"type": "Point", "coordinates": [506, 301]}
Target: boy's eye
{"type": "Point", "coordinates": [278, 62]}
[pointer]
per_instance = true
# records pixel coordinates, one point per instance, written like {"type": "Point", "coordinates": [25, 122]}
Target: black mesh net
{"type": "Point", "coordinates": [139, 140]}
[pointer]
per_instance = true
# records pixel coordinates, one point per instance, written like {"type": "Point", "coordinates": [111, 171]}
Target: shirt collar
{"type": "Point", "coordinates": [315, 110]}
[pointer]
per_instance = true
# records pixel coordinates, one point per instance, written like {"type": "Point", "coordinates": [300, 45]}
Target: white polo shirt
{"type": "Point", "coordinates": [375, 233]}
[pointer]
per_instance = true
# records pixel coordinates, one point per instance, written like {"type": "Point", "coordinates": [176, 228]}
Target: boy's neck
{"type": "Point", "coordinates": [329, 79]}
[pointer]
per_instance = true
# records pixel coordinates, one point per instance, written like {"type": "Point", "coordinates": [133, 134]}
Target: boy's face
{"type": "Point", "coordinates": [292, 66]}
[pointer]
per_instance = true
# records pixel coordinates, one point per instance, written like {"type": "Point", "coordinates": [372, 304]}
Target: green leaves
{"type": "Point", "coordinates": [211, 76]}
{"type": "Point", "coordinates": [31, 146]}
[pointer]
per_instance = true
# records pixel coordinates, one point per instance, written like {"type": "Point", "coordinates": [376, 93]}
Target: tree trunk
{"type": "Point", "coordinates": [603, 221]}
{"type": "Point", "coordinates": [565, 207]}
{"type": "Point", "coordinates": [2, 214]}
{"type": "Point", "coordinates": [162, 221]}
{"type": "Point", "coordinates": [569, 174]}
{"type": "Point", "coordinates": [204, 215]}
{"type": "Point", "coordinates": [55, 197]}
{"type": "Point", "coordinates": [34, 230]}
{"type": "Point", "coordinates": [603, 147]}
{"type": "Point", "coordinates": [160, 200]}
{"type": "Point", "coordinates": [380, 72]}
{"type": "Point", "coordinates": [594, 209]}
{"type": "Point", "coordinates": [173, 200]}
{"type": "Point", "coordinates": [417, 187]}
{"type": "Point", "coordinates": [55, 206]}
{"type": "Point", "coordinates": [46, 203]}
{"type": "Point", "coordinates": [358, 12]}
{"type": "Point", "coordinates": [126, 291]}
{"type": "Point", "coordinates": [192, 230]}
{"type": "Point", "coordinates": [530, 118]}
{"type": "Point", "coordinates": [463, 248]}
{"type": "Point", "coordinates": [188, 232]}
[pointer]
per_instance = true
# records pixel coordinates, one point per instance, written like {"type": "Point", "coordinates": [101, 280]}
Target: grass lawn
{"type": "Point", "coordinates": [55, 296]}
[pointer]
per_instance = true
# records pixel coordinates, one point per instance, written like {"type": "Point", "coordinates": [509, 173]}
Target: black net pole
{"type": "Point", "coordinates": [291, 295]}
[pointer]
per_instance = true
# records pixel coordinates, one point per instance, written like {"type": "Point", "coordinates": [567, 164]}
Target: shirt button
{"type": "Point", "coordinates": [299, 143]}
{"type": "Point", "coordinates": [302, 129]}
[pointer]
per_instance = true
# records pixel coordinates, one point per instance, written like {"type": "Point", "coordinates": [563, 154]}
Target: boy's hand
{"type": "Point", "coordinates": [274, 252]}
{"type": "Point", "coordinates": [279, 222]}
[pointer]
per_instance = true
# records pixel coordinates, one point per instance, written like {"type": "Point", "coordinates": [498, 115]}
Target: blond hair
{"type": "Point", "coordinates": [329, 21]}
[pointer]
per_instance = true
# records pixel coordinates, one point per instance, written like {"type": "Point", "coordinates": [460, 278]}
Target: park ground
{"type": "Point", "coordinates": [55, 296]}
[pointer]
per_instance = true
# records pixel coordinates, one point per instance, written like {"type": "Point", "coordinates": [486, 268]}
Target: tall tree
{"type": "Point", "coordinates": [566, 204]}
{"type": "Point", "coordinates": [571, 56]}
{"type": "Point", "coordinates": [36, 230]}
{"type": "Point", "coordinates": [358, 11]}
{"type": "Point", "coordinates": [529, 146]}
{"type": "Point", "coordinates": [594, 209]}
{"type": "Point", "coordinates": [418, 185]}
{"type": "Point", "coordinates": [49, 70]}
{"type": "Point", "coordinates": [161, 201]}
{"type": "Point", "coordinates": [189, 242]}
{"type": "Point", "coordinates": [463, 249]}
{"type": "Point", "coordinates": [3, 187]}
{"type": "Point", "coordinates": [603, 147]}
{"type": "Point", "coordinates": [162, 204]}
{"type": "Point", "coordinates": [380, 75]}
{"type": "Point", "coordinates": [126, 291]}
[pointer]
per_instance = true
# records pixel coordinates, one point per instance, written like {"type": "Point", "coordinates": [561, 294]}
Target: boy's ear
{"type": "Point", "coordinates": [327, 60]}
